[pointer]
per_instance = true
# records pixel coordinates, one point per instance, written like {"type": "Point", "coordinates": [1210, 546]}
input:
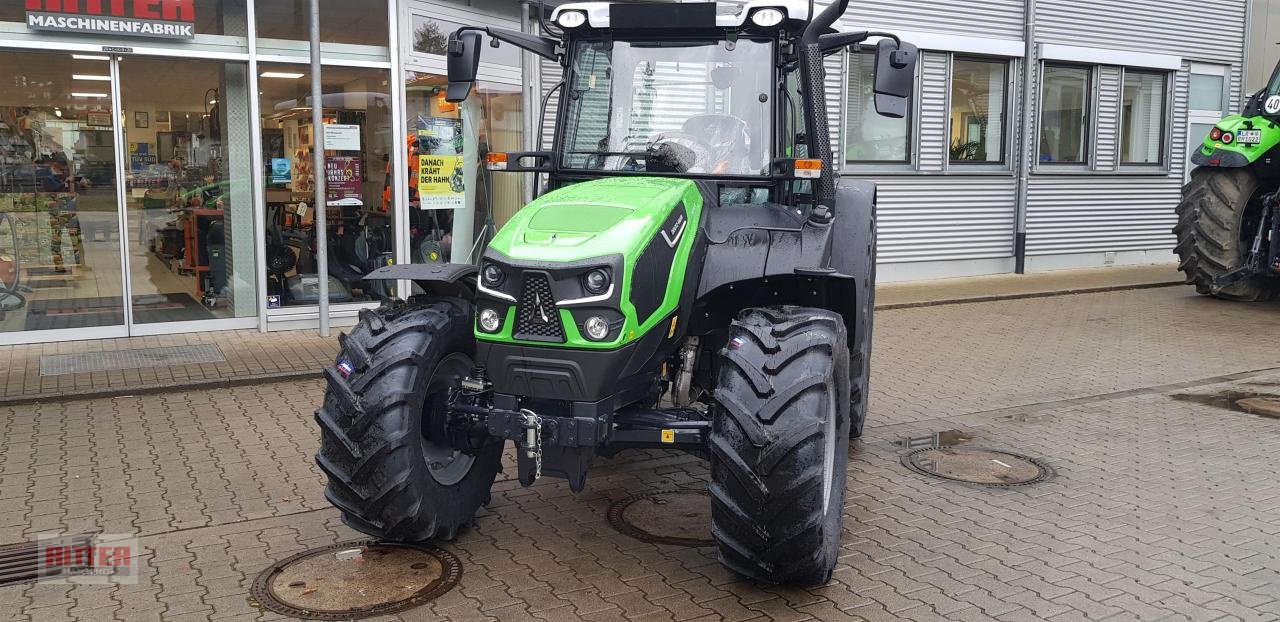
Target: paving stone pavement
{"type": "Point", "coordinates": [1160, 508]}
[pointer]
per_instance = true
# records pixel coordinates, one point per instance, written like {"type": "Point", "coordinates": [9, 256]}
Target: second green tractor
{"type": "Point", "coordinates": [1229, 219]}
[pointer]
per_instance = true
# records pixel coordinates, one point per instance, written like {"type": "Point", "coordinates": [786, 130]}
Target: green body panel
{"type": "Point", "coordinates": [1235, 123]}
{"type": "Point", "coordinates": [595, 219]}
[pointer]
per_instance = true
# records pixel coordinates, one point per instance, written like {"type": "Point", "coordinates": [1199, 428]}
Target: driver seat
{"type": "Point", "coordinates": [728, 137]}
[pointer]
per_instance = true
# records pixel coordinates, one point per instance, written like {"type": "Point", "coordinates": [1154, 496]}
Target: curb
{"type": "Point", "coordinates": [241, 381]}
{"type": "Point", "coordinates": [1024, 295]}
{"type": "Point", "coordinates": [152, 389]}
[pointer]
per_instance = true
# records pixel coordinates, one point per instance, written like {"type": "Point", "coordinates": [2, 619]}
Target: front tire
{"type": "Point", "coordinates": [779, 445]}
{"type": "Point", "coordinates": [1217, 222]}
{"type": "Point", "coordinates": [389, 479]}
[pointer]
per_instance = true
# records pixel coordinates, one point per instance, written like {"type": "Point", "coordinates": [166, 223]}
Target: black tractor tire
{"type": "Point", "coordinates": [780, 445]}
{"type": "Point", "coordinates": [389, 381]}
{"type": "Point", "coordinates": [1217, 222]}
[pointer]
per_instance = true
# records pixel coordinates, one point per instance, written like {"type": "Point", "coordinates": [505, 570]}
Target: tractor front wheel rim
{"type": "Point", "coordinates": [447, 465]}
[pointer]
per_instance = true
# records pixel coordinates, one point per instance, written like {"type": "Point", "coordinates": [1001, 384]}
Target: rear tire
{"type": "Point", "coordinates": [780, 444]}
{"type": "Point", "coordinates": [389, 479]}
{"type": "Point", "coordinates": [1217, 222]}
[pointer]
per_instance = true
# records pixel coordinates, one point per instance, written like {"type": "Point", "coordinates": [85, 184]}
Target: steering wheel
{"type": "Point", "coordinates": [685, 152]}
{"type": "Point", "coordinates": [10, 268]}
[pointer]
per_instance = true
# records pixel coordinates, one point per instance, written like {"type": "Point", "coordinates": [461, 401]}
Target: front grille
{"type": "Point", "coordinates": [537, 318]}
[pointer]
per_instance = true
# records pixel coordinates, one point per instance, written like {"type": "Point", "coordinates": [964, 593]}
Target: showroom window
{"type": "Point", "coordinates": [979, 101]}
{"type": "Point", "coordinates": [1065, 114]}
{"type": "Point", "coordinates": [358, 143]}
{"type": "Point", "coordinates": [1143, 118]}
{"type": "Point", "coordinates": [431, 36]}
{"type": "Point", "coordinates": [871, 138]}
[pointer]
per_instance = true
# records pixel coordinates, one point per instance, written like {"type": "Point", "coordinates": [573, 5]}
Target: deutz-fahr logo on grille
{"type": "Point", "coordinates": [544, 315]}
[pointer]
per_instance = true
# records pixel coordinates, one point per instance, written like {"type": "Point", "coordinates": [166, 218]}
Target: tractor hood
{"type": "Point", "coordinates": [1229, 151]}
{"type": "Point", "coordinates": [610, 216]}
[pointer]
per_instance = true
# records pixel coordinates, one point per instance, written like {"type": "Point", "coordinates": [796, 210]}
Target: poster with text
{"type": "Point", "coordinates": [343, 178]}
{"type": "Point", "coordinates": [440, 164]}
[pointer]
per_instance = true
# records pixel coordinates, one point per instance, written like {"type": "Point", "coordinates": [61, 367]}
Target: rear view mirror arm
{"type": "Point", "coordinates": [542, 46]}
{"type": "Point", "coordinates": [836, 40]}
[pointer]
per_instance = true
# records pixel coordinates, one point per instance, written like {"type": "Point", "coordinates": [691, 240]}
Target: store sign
{"type": "Point", "coordinates": [343, 177]}
{"type": "Point", "coordinates": [167, 19]}
{"type": "Point", "coordinates": [440, 164]}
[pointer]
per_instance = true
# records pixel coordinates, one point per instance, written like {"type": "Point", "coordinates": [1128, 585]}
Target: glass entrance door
{"type": "Point", "coordinates": [126, 200]}
{"type": "Point", "coordinates": [188, 189]}
{"type": "Point", "coordinates": [60, 244]}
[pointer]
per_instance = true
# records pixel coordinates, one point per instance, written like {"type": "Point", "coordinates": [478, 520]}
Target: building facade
{"type": "Point", "coordinates": [156, 159]}
{"type": "Point", "coordinates": [1077, 141]}
{"type": "Point", "coordinates": [156, 156]}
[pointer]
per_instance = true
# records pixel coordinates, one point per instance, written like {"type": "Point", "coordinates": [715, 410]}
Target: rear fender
{"type": "Point", "coordinates": [1234, 154]}
{"type": "Point", "coordinates": [435, 279]}
{"type": "Point", "coordinates": [759, 255]}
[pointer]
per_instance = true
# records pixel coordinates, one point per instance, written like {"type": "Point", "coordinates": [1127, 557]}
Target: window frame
{"type": "Point", "coordinates": [912, 163]}
{"type": "Point", "coordinates": [1006, 137]}
{"type": "Point", "coordinates": [1166, 122]}
{"type": "Point", "coordinates": [1090, 133]}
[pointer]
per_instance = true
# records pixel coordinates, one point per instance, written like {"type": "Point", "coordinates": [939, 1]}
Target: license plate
{"type": "Point", "coordinates": [1249, 137]}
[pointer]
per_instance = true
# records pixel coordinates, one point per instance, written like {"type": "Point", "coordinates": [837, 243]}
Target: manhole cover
{"type": "Point", "coordinates": [987, 467]}
{"type": "Point", "coordinates": [356, 580]}
{"type": "Point", "coordinates": [1240, 400]}
{"type": "Point", "coordinates": [680, 517]}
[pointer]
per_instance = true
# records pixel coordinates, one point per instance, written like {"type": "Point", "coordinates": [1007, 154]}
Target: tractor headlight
{"type": "Point", "coordinates": [597, 328]}
{"type": "Point", "coordinates": [596, 281]}
{"type": "Point", "coordinates": [767, 18]}
{"type": "Point", "coordinates": [571, 19]}
{"type": "Point", "coordinates": [492, 275]}
{"type": "Point", "coordinates": [490, 321]}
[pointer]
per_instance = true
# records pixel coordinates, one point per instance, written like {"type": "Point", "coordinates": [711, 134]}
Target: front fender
{"type": "Point", "coordinates": [439, 279]}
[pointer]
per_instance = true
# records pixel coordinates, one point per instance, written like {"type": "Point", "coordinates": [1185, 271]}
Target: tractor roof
{"type": "Point", "coordinates": [727, 15]}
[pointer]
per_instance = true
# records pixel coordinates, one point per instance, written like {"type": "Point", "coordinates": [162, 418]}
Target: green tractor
{"type": "Point", "coordinates": [692, 278]}
{"type": "Point", "coordinates": [1229, 219]}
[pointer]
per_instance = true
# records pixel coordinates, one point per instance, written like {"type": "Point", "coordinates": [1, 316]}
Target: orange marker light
{"type": "Point", "coordinates": [496, 161]}
{"type": "Point", "coordinates": [808, 169]}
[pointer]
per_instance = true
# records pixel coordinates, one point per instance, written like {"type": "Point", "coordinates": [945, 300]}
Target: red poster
{"type": "Point", "coordinates": [343, 177]}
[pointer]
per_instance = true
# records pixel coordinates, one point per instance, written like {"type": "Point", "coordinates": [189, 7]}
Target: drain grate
{"type": "Point", "coordinates": [86, 362]}
{"type": "Point", "coordinates": [679, 517]}
{"type": "Point", "coordinates": [20, 563]}
{"type": "Point", "coordinates": [984, 467]}
{"type": "Point", "coordinates": [356, 580]}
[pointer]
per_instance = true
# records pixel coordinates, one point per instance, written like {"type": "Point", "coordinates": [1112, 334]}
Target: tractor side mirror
{"type": "Point", "coordinates": [895, 77]}
{"type": "Point", "coordinates": [464, 62]}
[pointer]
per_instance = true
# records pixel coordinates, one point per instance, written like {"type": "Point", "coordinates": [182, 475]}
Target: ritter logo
{"type": "Point", "coordinates": [166, 19]}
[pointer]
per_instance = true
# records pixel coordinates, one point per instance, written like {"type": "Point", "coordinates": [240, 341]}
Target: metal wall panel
{"type": "Point", "coordinates": [1000, 19]}
{"type": "Point", "coordinates": [1107, 118]}
{"type": "Point", "coordinates": [934, 139]}
{"type": "Point", "coordinates": [945, 217]}
{"type": "Point", "coordinates": [1159, 26]}
{"type": "Point", "coordinates": [551, 74]}
{"type": "Point", "coordinates": [1100, 213]}
{"type": "Point", "coordinates": [834, 86]}
{"type": "Point", "coordinates": [1178, 135]}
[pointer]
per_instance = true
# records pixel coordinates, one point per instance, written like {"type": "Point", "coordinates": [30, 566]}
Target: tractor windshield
{"type": "Point", "coordinates": [692, 107]}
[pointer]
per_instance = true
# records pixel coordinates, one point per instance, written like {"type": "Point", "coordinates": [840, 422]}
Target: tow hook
{"type": "Point", "coordinates": [532, 444]}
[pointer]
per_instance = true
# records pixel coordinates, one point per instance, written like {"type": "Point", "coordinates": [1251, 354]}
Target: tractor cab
{"type": "Point", "coordinates": [711, 92]}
